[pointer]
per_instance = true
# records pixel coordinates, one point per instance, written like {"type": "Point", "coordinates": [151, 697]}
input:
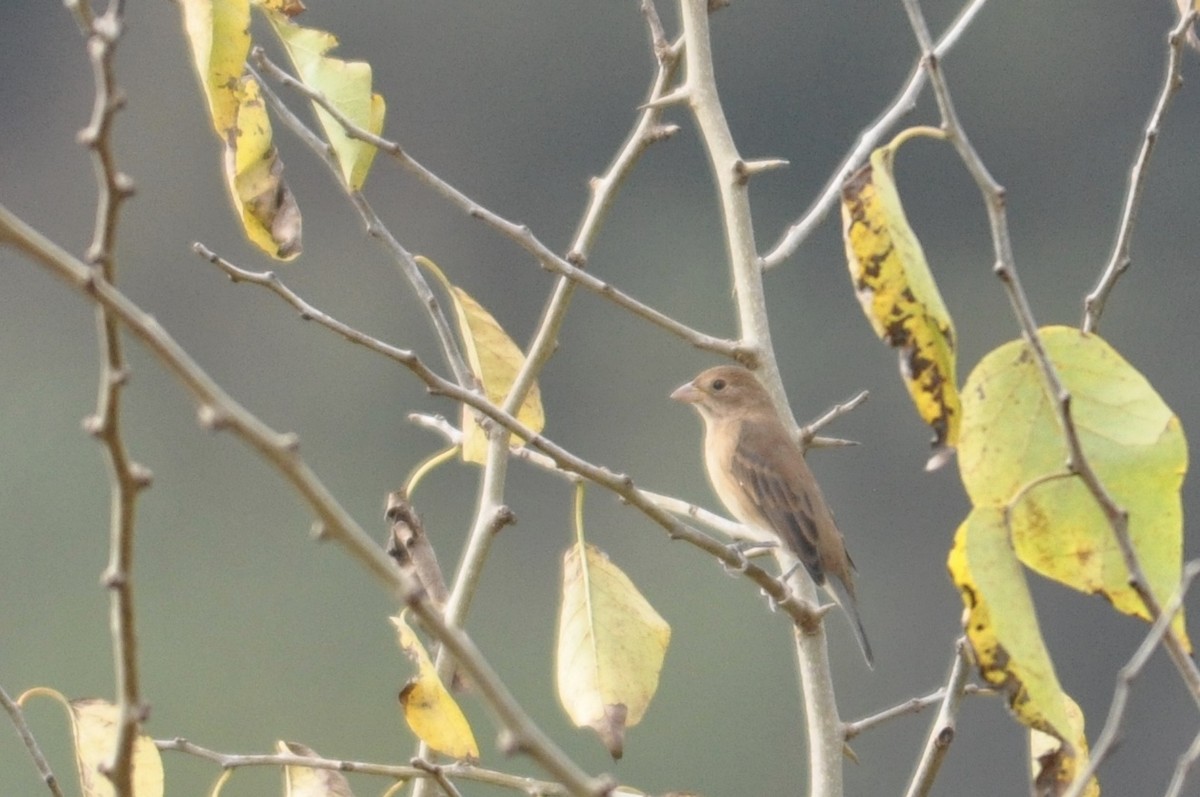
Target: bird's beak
{"type": "Point", "coordinates": [687, 393]}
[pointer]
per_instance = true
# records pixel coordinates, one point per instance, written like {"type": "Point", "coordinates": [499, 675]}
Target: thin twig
{"type": "Point", "coordinates": [17, 717]}
{"type": "Point", "coordinates": [912, 706]}
{"type": "Point", "coordinates": [1119, 260]}
{"type": "Point", "coordinates": [127, 478]}
{"type": "Point", "coordinates": [270, 280]}
{"type": "Point", "coordinates": [904, 101]}
{"type": "Point", "coordinates": [1110, 734]}
{"type": "Point", "coordinates": [375, 227]}
{"type": "Point", "coordinates": [1182, 768]}
{"type": "Point", "coordinates": [219, 411]}
{"type": "Point", "coordinates": [517, 233]}
{"type": "Point", "coordinates": [808, 432]}
{"type": "Point", "coordinates": [731, 529]}
{"type": "Point", "coordinates": [437, 774]}
{"type": "Point", "coordinates": [941, 734]}
{"type": "Point", "coordinates": [1005, 268]}
{"type": "Point", "coordinates": [460, 771]}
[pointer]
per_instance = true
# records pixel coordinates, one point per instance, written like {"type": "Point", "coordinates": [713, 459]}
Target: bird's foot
{"type": "Point", "coordinates": [743, 550]}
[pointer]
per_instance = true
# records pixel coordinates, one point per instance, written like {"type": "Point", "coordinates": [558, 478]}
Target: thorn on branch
{"type": "Point", "coordinates": [211, 418]}
{"type": "Point", "coordinates": [507, 743]}
{"type": "Point", "coordinates": [123, 185]}
{"type": "Point", "coordinates": [114, 579]}
{"type": "Point", "coordinates": [142, 476]}
{"type": "Point", "coordinates": [504, 517]}
{"type": "Point", "coordinates": [93, 425]}
{"type": "Point", "coordinates": [119, 377]}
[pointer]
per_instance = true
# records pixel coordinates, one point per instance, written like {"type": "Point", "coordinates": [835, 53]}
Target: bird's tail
{"type": "Point", "coordinates": [845, 598]}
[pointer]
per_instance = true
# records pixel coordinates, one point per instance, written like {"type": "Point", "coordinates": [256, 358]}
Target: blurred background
{"type": "Point", "coordinates": [251, 632]}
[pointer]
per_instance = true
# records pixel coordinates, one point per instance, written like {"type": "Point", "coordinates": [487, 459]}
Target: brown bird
{"type": "Point", "coordinates": [759, 473]}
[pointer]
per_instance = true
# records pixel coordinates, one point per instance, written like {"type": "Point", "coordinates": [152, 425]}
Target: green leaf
{"type": "Point", "coordinates": [346, 84]}
{"type": "Point", "coordinates": [1012, 452]}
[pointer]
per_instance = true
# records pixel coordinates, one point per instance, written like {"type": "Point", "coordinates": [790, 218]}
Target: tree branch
{"type": "Point", "coordinates": [519, 234]}
{"type": "Point", "coordinates": [902, 104]}
{"type": "Point", "coordinates": [1120, 260]}
{"type": "Point", "coordinates": [1109, 735]}
{"type": "Point", "coordinates": [459, 771]}
{"type": "Point", "coordinates": [17, 717]}
{"type": "Point", "coordinates": [378, 230]}
{"type": "Point", "coordinates": [699, 90]}
{"type": "Point", "coordinates": [127, 478]}
{"type": "Point", "coordinates": [219, 411]}
{"type": "Point", "coordinates": [941, 734]}
{"type": "Point", "coordinates": [912, 706]}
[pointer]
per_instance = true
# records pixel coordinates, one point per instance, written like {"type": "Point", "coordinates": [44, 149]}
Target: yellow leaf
{"type": "Point", "coordinates": [428, 707]}
{"type": "Point", "coordinates": [1002, 625]}
{"type": "Point", "coordinates": [1012, 449]}
{"type": "Point", "coordinates": [898, 293]}
{"type": "Point", "coordinates": [94, 725]}
{"type": "Point", "coordinates": [611, 646]}
{"type": "Point", "coordinates": [219, 34]}
{"type": "Point", "coordinates": [299, 781]}
{"type": "Point", "coordinates": [254, 176]}
{"type": "Point", "coordinates": [494, 359]}
{"type": "Point", "coordinates": [1056, 765]}
{"type": "Point", "coordinates": [346, 84]}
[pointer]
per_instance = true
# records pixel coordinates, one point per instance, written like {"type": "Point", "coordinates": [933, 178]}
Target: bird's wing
{"type": "Point", "coordinates": [775, 485]}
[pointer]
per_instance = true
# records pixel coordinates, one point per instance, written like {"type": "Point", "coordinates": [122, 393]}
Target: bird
{"type": "Point", "coordinates": [759, 472]}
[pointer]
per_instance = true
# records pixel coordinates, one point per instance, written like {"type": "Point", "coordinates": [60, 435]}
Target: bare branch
{"type": "Point", "coordinates": [270, 280]}
{"type": "Point", "coordinates": [17, 717]}
{"type": "Point", "coordinates": [912, 706]}
{"type": "Point", "coordinates": [1159, 632]}
{"type": "Point", "coordinates": [808, 433]}
{"type": "Point", "coordinates": [904, 101]}
{"type": "Point", "coordinates": [127, 478]}
{"type": "Point", "coordinates": [519, 233]}
{"type": "Point", "coordinates": [378, 230]}
{"type": "Point", "coordinates": [1119, 261]}
{"type": "Point", "coordinates": [941, 734]}
{"type": "Point", "coordinates": [1182, 768]}
{"type": "Point", "coordinates": [815, 678]}
{"type": "Point", "coordinates": [219, 411]}
{"type": "Point", "coordinates": [437, 774]}
{"type": "Point", "coordinates": [460, 771]}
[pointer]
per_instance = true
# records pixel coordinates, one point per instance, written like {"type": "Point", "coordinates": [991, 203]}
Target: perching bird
{"type": "Point", "coordinates": [759, 473]}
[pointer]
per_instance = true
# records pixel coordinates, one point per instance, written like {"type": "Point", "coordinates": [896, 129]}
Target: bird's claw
{"type": "Point", "coordinates": [740, 549]}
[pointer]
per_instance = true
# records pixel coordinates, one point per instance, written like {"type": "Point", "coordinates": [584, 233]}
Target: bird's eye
{"type": "Point", "coordinates": [718, 384]}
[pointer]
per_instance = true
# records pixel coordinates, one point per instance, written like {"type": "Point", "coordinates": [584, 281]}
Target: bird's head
{"type": "Point", "coordinates": [724, 392]}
